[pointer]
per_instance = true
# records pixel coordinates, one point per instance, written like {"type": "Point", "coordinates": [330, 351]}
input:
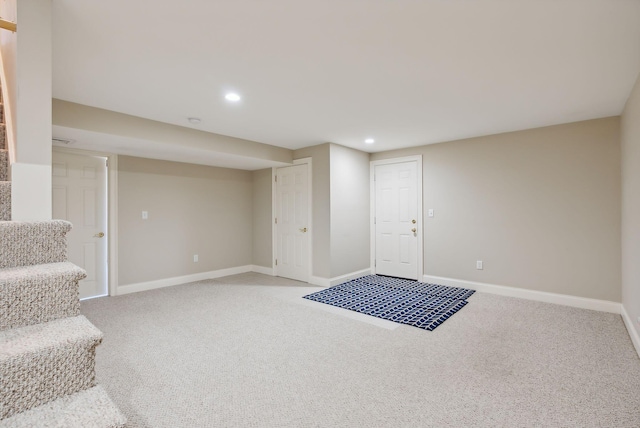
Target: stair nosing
{"type": "Point", "coordinates": [33, 338]}
{"type": "Point", "coordinates": [63, 408]}
{"type": "Point", "coordinates": [48, 270]}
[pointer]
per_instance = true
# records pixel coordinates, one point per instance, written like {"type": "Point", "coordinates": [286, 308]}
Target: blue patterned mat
{"type": "Point", "coordinates": [395, 299]}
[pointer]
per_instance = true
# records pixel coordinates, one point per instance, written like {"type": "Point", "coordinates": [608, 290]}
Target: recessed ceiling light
{"type": "Point", "coordinates": [194, 120]}
{"type": "Point", "coordinates": [232, 97]}
{"type": "Point", "coordinates": [369, 141]}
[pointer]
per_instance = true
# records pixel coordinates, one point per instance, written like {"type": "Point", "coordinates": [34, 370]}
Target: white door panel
{"type": "Point", "coordinates": [396, 218]}
{"type": "Point", "coordinates": [80, 196]}
{"type": "Point", "coordinates": [292, 227]}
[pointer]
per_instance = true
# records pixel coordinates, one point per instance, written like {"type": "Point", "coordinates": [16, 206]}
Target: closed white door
{"type": "Point", "coordinates": [396, 219]}
{"type": "Point", "coordinates": [292, 222]}
{"type": "Point", "coordinates": [80, 196]}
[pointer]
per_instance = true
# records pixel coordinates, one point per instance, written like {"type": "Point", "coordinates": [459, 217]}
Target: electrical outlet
{"type": "Point", "coordinates": [145, 215]}
{"type": "Point", "coordinates": [479, 265]}
{"type": "Point", "coordinates": [195, 258]}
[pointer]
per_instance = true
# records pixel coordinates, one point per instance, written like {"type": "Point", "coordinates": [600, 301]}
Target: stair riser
{"type": "Point", "coordinates": [24, 304]}
{"type": "Point", "coordinates": [29, 380]}
{"type": "Point", "coordinates": [4, 165]}
{"type": "Point", "coordinates": [33, 243]}
{"type": "Point", "coordinates": [5, 201]}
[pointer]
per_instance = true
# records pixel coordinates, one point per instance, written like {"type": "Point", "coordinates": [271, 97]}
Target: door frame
{"type": "Point", "coordinates": [372, 226]}
{"type": "Point", "coordinates": [274, 212]}
{"type": "Point", "coordinates": [112, 212]}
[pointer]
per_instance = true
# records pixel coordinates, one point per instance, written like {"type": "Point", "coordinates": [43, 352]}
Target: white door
{"type": "Point", "coordinates": [292, 222]}
{"type": "Point", "coordinates": [396, 219]}
{"type": "Point", "coordinates": [80, 196]}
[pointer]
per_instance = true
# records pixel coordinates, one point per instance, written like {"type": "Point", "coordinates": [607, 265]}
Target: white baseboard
{"type": "Point", "coordinates": [168, 282]}
{"type": "Point", "coordinates": [348, 277]}
{"type": "Point", "coordinates": [262, 269]}
{"type": "Point", "coordinates": [330, 282]}
{"type": "Point", "coordinates": [522, 293]}
{"type": "Point", "coordinates": [177, 280]}
{"type": "Point", "coordinates": [633, 331]}
{"type": "Point", "coordinates": [319, 281]}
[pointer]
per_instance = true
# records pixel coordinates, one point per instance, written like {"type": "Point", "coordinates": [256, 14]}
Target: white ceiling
{"type": "Point", "coordinates": [405, 72]}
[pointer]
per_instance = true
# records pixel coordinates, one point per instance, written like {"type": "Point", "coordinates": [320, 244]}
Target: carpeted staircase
{"type": "Point", "coordinates": [47, 349]}
{"type": "Point", "coordinates": [5, 184]}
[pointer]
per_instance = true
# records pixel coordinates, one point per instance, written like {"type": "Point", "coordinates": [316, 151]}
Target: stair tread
{"type": "Point", "coordinates": [43, 271]}
{"type": "Point", "coordinates": [49, 335]}
{"type": "Point", "coordinates": [64, 225]}
{"type": "Point", "coordinates": [89, 408]}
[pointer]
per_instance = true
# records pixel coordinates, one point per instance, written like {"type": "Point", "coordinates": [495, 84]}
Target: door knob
{"type": "Point", "coordinates": [413, 221]}
{"type": "Point", "coordinates": [303, 230]}
{"type": "Point", "coordinates": [414, 230]}
{"type": "Point", "coordinates": [99, 235]}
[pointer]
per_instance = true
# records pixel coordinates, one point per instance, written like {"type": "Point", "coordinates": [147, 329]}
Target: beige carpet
{"type": "Point", "coordinates": [248, 351]}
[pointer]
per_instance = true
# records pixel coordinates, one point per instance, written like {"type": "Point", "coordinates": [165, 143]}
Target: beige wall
{"type": "Point", "coordinates": [262, 218]}
{"type": "Point", "coordinates": [630, 137]}
{"type": "Point", "coordinates": [340, 206]}
{"type": "Point", "coordinates": [33, 74]}
{"type": "Point", "coordinates": [31, 152]}
{"type": "Point", "coordinates": [9, 58]}
{"type": "Point", "coordinates": [193, 209]}
{"type": "Point", "coordinates": [321, 206]}
{"type": "Point", "coordinates": [350, 213]}
{"type": "Point", "coordinates": [540, 208]}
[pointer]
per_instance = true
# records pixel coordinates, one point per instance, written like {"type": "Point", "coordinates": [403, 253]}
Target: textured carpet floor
{"type": "Point", "coordinates": [247, 351]}
{"type": "Point", "coordinates": [404, 301]}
